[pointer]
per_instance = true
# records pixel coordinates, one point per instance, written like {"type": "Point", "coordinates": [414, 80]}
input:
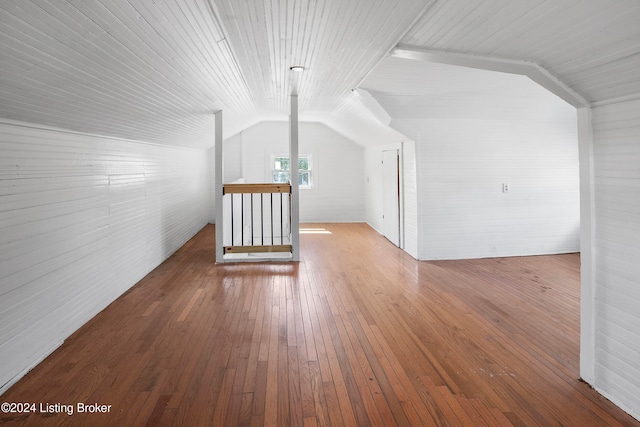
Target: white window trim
{"type": "Point", "coordinates": [310, 170]}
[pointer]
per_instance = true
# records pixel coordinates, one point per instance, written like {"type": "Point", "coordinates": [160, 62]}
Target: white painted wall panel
{"type": "Point", "coordinates": [373, 187]}
{"type": "Point", "coordinates": [82, 219]}
{"type": "Point", "coordinates": [410, 198]}
{"type": "Point", "coordinates": [617, 246]}
{"type": "Point", "coordinates": [338, 192]}
{"type": "Point", "coordinates": [232, 154]}
{"type": "Point", "coordinates": [462, 167]}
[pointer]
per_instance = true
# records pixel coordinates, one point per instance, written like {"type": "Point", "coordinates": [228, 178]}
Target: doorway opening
{"type": "Point", "coordinates": [391, 196]}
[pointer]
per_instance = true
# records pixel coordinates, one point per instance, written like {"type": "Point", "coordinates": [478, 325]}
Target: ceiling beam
{"type": "Point", "coordinates": [526, 68]}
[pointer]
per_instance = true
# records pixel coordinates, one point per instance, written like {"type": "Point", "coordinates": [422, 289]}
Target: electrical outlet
{"type": "Point", "coordinates": [505, 188]}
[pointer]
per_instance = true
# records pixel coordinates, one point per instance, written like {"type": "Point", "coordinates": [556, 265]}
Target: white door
{"type": "Point", "coordinates": [391, 196]}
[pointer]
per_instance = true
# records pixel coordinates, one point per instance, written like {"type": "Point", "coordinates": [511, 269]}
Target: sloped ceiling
{"type": "Point", "coordinates": [411, 90]}
{"type": "Point", "coordinates": [593, 46]}
{"type": "Point", "coordinates": [156, 70]}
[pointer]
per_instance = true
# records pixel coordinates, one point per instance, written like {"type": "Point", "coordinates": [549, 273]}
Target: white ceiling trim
{"type": "Point", "coordinates": [526, 68]}
{"type": "Point", "coordinates": [617, 100]}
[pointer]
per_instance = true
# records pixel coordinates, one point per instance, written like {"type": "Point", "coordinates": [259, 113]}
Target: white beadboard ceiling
{"type": "Point", "coordinates": [593, 46]}
{"type": "Point", "coordinates": [156, 70]}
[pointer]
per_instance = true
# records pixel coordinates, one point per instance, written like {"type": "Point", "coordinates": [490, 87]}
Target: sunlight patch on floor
{"type": "Point", "coordinates": [314, 231]}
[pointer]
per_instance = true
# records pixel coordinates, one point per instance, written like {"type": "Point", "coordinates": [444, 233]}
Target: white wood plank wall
{"type": "Point", "coordinates": [337, 167]}
{"type": "Point", "coordinates": [373, 185]}
{"type": "Point", "coordinates": [617, 245]}
{"type": "Point", "coordinates": [232, 158]}
{"type": "Point", "coordinates": [464, 212]}
{"type": "Point", "coordinates": [82, 219]}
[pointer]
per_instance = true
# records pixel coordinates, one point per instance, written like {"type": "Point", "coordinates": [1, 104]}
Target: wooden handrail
{"type": "Point", "coordinates": [248, 217]}
{"type": "Point", "coordinates": [256, 249]}
{"type": "Point", "coordinates": [255, 188]}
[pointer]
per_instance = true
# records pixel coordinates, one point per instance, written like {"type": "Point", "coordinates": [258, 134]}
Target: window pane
{"type": "Point", "coordinates": [303, 179]}
{"type": "Point", "coordinates": [281, 177]}
{"type": "Point", "coordinates": [281, 163]}
{"type": "Point", "coordinates": [282, 174]}
{"type": "Point", "coordinates": [303, 163]}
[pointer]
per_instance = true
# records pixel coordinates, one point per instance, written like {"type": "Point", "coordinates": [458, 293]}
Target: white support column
{"type": "Point", "coordinates": [295, 190]}
{"type": "Point", "coordinates": [587, 247]}
{"type": "Point", "coordinates": [218, 187]}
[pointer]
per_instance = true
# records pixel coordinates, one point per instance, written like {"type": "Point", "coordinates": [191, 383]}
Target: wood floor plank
{"type": "Point", "coordinates": [357, 333]}
{"type": "Point", "coordinates": [321, 407]}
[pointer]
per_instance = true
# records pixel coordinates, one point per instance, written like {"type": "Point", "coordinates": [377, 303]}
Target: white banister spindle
{"type": "Point", "coordinates": [244, 219]}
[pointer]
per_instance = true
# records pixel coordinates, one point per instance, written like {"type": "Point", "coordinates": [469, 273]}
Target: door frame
{"type": "Point", "coordinates": [398, 194]}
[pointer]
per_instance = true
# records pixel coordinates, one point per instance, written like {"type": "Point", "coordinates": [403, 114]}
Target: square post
{"type": "Point", "coordinates": [295, 187]}
{"type": "Point", "coordinates": [219, 188]}
{"type": "Point", "coordinates": [587, 247]}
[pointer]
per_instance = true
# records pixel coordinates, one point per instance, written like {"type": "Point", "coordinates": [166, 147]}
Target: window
{"type": "Point", "coordinates": [282, 170]}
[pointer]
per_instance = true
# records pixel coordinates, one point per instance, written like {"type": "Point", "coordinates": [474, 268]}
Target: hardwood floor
{"type": "Point", "coordinates": [358, 333]}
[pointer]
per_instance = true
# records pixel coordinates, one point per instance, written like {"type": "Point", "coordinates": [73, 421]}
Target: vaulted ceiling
{"type": "Point", "coordinates": [156, 70]}
{"type": "Point", "coordinates": [413, 90]}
